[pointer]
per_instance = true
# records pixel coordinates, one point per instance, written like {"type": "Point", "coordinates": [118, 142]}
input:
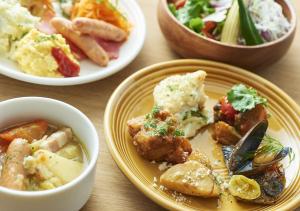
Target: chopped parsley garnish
{"type": "Point", "coordinates": [178, 132]}
{"type": "Point", "coordinates": [150, 124]}
{"type": "Point", "coordinates": [244, 98]}
{"type": "Point", "coordinates": [162, 129]}
{"type": "Point", "coordinates": [194, 113]}
{"type": "Point", "coordinates": [46, 38]}
{"type": "Point", "coordinates": [155, 110]}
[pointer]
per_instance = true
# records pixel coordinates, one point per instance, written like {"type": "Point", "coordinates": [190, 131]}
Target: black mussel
{"type": "Point", "coordinates": [269, 158]}
{"type": "Point", "coordinates": [245, 149]}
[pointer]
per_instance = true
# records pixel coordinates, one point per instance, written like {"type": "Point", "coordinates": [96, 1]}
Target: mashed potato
{"type": "Point", "coordinates": [15, 22]}
{"type": "Point", "coordinates": [183, 95]}
{"type": "Point", "coordinates": [33, 53]}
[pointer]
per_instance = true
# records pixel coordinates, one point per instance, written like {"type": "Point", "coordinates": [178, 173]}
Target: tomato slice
{"type": "Point", "coordinates": [179, 4]}
{"type": "Point", "coordinates": [228, 111]}
{"type": "Point", "coordinates": [209, 28]}
{"type": "Point", "coordinates": [30, 131]}
{"type": "Point", "coordinates": [65, 65]}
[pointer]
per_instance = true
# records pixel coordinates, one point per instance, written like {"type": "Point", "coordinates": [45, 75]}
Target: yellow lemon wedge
{"type": "Point", "coordinates": [244, 187]}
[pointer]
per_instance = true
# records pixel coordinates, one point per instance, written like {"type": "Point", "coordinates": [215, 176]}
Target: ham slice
{"type": "Point", "coordinates": [45, 26]}
{"type": "Point", "coordinates": [112, 48]}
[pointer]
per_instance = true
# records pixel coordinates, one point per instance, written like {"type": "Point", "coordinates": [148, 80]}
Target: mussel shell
{"type": "Point", "coordinates": [248, 144]}
{"type": "Point", "coordinates": [278, 157]}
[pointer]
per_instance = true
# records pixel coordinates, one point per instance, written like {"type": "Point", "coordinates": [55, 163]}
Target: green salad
{"type": "Point", "coordinates": [237, 22]}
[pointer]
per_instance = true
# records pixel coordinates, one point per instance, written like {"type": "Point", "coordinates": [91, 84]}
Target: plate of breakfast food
{"type": "Point", "coordinates": [68, 42]}
{"type": "Point", "coordinates": [203, 135]}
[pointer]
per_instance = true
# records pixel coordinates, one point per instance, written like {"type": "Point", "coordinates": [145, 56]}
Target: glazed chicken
{"type": "Point", "coordinates": [157, 137]}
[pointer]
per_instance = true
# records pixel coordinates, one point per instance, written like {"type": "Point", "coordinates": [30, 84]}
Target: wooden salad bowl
{"type": "Point", "coordinates": [189, 44]}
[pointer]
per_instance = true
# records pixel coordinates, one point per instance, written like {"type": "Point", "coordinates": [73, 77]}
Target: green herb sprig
{"type": "Point", "coordinates": [244, 98]}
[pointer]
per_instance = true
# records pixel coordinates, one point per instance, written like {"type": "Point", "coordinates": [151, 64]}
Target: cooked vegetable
{"type": "Point", "coordinates": [244, 187]}
{"type": "Point", "coordinates": [244, 98]}
{"type": "Point", "coordinates": [231, 29]}
{"type": "Point", "coordinates": [61, 167]}
{"type": "Point", "coordinates": [66, 66]}
{"type": "Point", "coordinates": [101, 10]}
{"type": "Point", "coordinates": [30, 131]}
{"type": "Point", "coordinates": [248, 29]}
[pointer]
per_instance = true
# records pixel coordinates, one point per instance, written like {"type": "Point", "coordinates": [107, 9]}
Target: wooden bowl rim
{"type": "Point", "coordinates": [292, 29]}
{"type": "Point", "coordinates": [132, 78]}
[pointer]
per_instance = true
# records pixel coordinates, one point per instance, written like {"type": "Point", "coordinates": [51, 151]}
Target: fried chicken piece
{"type": "Point", "coordinates": [193, 177]}
{"type": "Point", "coordinates": [157, 137]}
{"type": "Point", "coordinates": [225, 134]}
{"type": "Point", "coordinates": [135, 125]}
{"type": "Point", "coordinates": [162, 148]}
{"type": "Point", "coordinates": [39, 8]}
{"type": "Point", "coordinates": [245, 121]}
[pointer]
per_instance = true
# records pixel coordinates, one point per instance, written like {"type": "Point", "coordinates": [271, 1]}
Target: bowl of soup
{"type": "Point", "coordinates": [48, 155]}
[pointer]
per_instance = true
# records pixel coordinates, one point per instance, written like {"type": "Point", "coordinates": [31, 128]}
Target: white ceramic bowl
{"type": "Point", "coordinates": [89, 71]}
{"type": "Point", "coordinates": [69, 197]}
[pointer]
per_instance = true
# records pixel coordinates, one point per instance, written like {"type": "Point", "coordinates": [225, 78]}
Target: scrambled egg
{"type": "Point", "coordinates": [15, 22]}
{"type": "Point", "coordinates": [183, 95]}
{"type": "Point", "coordinates": [33, 53]}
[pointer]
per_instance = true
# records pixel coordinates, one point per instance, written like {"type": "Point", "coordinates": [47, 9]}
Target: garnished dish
{"type": "Point", "coordinates": [252, 158]}
{"type": "Point", "coordinates": [235, 22]}
{"type": "Point", "coordinates": [50, 38]}
{"type": "Point", "coordinates": [37, 156]}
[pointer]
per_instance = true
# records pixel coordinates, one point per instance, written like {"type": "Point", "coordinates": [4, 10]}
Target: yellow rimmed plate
{"type": "Point", "coordinates": [133, 97]}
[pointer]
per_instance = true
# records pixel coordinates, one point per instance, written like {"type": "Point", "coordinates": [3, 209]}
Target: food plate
{"type": "Point", "coordinates": [134, 97]}
{"type": "Point", "coordinates": [90, 71]}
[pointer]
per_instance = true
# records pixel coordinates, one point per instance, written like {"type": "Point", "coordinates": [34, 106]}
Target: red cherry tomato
{"type": "Point", "coordinates": [228, 111]}
{"type": "Point", "coordinates": [179, 4]}
{"type": "Point", "coordinates": [209, 28]}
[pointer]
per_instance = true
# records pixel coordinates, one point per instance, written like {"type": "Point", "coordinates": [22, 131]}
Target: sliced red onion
{"type": "Point", "coordinates": [218, 16]}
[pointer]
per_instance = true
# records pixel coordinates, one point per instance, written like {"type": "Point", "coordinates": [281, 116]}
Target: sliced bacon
{"type": "Point", "coordinates": [112, 48]}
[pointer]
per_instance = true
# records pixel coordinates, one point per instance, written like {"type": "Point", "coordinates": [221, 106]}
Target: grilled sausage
{"type": "Point", "coordinates": [13, 173]}
{"type": "Point", "coordinates": [86, 43]}
{"type": "Point", "coordinates": [98, 28]}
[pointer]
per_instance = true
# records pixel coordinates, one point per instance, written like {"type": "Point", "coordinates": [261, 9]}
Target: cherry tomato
{"type": "Point", "coordinates": [208, 29]}
{"type": "Point", "coordinates": [179, 4]}
{"type": "Point", "coordinates": [228, 111]}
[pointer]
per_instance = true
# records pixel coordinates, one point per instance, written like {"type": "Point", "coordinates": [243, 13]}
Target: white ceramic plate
{"type": "Point", "coordinates": [89, 71]}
